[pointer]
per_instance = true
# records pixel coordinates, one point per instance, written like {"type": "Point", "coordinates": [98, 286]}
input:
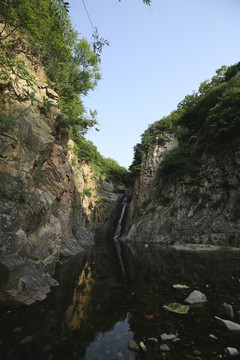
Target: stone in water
{"type": "Point", "coordinates": [232, 351]}
{"type": "Point", "coordinates": [196, 297]}
{"type": "Point", "coordinates": [179, 286]}
{"type": "Point", "coordinates": [165, 337]}
{"type": "Point", "coordinates": [142, 346]}
{"type": "Point", "coordinates": [176, 308]}
{"type": "Point", "coordinates": [230, 325]}
{"type": "Point", "coordinates": [133, 345]}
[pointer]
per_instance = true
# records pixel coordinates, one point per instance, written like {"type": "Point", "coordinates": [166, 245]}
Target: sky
{"type": "Point", "coordinates": [158, 54]}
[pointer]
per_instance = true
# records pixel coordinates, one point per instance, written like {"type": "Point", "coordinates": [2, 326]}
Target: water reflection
{"type": "Point", "coordinates": [112, 345]}
{"type": "Point", "coordinates": [94, 315]}
{"type": "Point", "coordinates": [76, 312]}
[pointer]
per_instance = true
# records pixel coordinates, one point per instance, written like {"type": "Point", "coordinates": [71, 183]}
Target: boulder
{"type": "Point", "coordinates": [133, 345]}
{"type": "Point", "coordinates": [232, 351]}
{"type": "Point", "coordinates": [164, 347]}
{"type": "Point", "coordinates": [165, 337]}
{"type": "Point", "coordinates": [227, 310]}
{"type": "Point", "coordinates": [196, 297]}
{"type": "Point", "coordinates": [11, 268]}
{"type": "Point", "coordinates": [152, 340]}
{"type": "Point", "coordinates": [142, 346]}
{"type": "Point", "coordinates": [230, 325]}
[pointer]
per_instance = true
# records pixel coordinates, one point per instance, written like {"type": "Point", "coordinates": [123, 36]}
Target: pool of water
{"type": "Point", "coordinates": [94, 314]}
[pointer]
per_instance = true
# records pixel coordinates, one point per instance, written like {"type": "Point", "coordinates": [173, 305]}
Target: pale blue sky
{"type": "Point", "coordinates": [157, 55]}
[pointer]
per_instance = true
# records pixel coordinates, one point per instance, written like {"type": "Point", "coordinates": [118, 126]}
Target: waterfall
{"type": "Point", "coordinates": [116, 236]}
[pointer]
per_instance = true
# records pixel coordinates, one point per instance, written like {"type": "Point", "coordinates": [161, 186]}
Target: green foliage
{"type": "Point", "coordinates": [43, 211]}
{"type": "Point", "coordinates": [156, 132]}
{"type": "Point", "coordinates": [135, 167]}
{"type": "Point", "coordinates": [146, 203]}
{"type": "Point", "coordinates": [72, 67]}
{"type": "Point", "coordinates": [105, 168]}
{"type": "Point", "coordinates": [74, 161]}
{"type": "Point", "coordinates": [39, 176]}
{"type": "Point", "coordinates": [6, 122]}
{"type": "Point", "coordinates": [207, 121]}
{"type": "Point", "coordinates": [75, 207]}
{"type": "Point", "coordinates": [20, 196]}
{"type": "Point", "coordinates": [178, 162]}
{"type": "Point", "coordinates": [87, 192]}
{"type": "Point", "coordinates": [114, 172]}
{"type": "Point", "coordinates": [46, 105]}
{"type": "Point", "coordinates": [72, 64]}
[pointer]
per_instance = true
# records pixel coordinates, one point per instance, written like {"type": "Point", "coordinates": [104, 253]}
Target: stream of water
{"type": "Point", "coordinates": [117, 234]}
{"type": "Point", "coordinates": [93, 314]}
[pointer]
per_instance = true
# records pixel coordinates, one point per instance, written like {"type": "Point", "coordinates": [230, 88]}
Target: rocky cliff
{"type": "Point", "coordinates": [198, 210]}
{"type": "Point", "coordinates": [51, 204]}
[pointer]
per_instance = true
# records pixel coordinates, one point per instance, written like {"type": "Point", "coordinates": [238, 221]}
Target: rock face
{"type": "Point", "coordinates": [200, 210]}
{"type": "Point", "coordinates": [50, 205]}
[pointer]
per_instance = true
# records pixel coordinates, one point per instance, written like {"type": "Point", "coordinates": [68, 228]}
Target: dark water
{"type": "Point", "coordinates": [93, 314]}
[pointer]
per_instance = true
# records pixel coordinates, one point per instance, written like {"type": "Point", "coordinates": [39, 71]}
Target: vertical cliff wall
{"type": "Point", "coordinates": [199, 210]}
{"type": "Point", "coordinates": [51, 204]}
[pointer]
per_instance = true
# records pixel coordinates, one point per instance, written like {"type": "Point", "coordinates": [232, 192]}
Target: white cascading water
{"type": "Point", "coordinates": [116, 236]}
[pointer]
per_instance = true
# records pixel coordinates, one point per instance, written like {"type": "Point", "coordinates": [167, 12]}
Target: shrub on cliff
{"type": "Point", "coordinates": [72, 64]}
{"type": "Point", "coordinates": [206, 121]}
{"type": "Point", "coordinates": [105, 168]}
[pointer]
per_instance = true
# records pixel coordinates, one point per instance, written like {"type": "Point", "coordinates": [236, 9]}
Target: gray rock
{"type": "Point", "coordinates": [11, 268]}
{"type": "Point", "coordinates": [133, 345]}
{"type": "Point", "coordinates": [213, 337]}
{"type": "Point", "coordinates": [227, 310]}
{"type": "Point", "coordinates": [152, 340]}
{"type": "Point", "coordinates": [165, 336]}
{"type": "Point", "coordinates": [23, 281]}
{"type": "Point", "coordinates": [196, 297]}
{"type": "Point", "coordinates": [75, 245]}
{"type": "Point", "coordinates": [232, 351]}
{"type": "Point", "coordinates": [9, 223]}
{"type": "Point", "coordinates": [164, 347]}
{"type": "Point", "coordinates": [50, 262]}
{"type": "Point", "coordinates": [11, 243]}
{"type": "Point", "coordinates": [230, 325]}
{"type": "Point", "coordinates": [142, 346]}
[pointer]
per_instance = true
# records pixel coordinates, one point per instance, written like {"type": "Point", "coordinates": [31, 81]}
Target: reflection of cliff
{"type": "Point", "coordinates": [96, 294]}
{"type": "Point", "coordinates": [76, 312]}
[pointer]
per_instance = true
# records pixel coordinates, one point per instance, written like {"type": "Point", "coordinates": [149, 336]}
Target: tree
{"type": "Point", "coordinates": [72, 64]}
